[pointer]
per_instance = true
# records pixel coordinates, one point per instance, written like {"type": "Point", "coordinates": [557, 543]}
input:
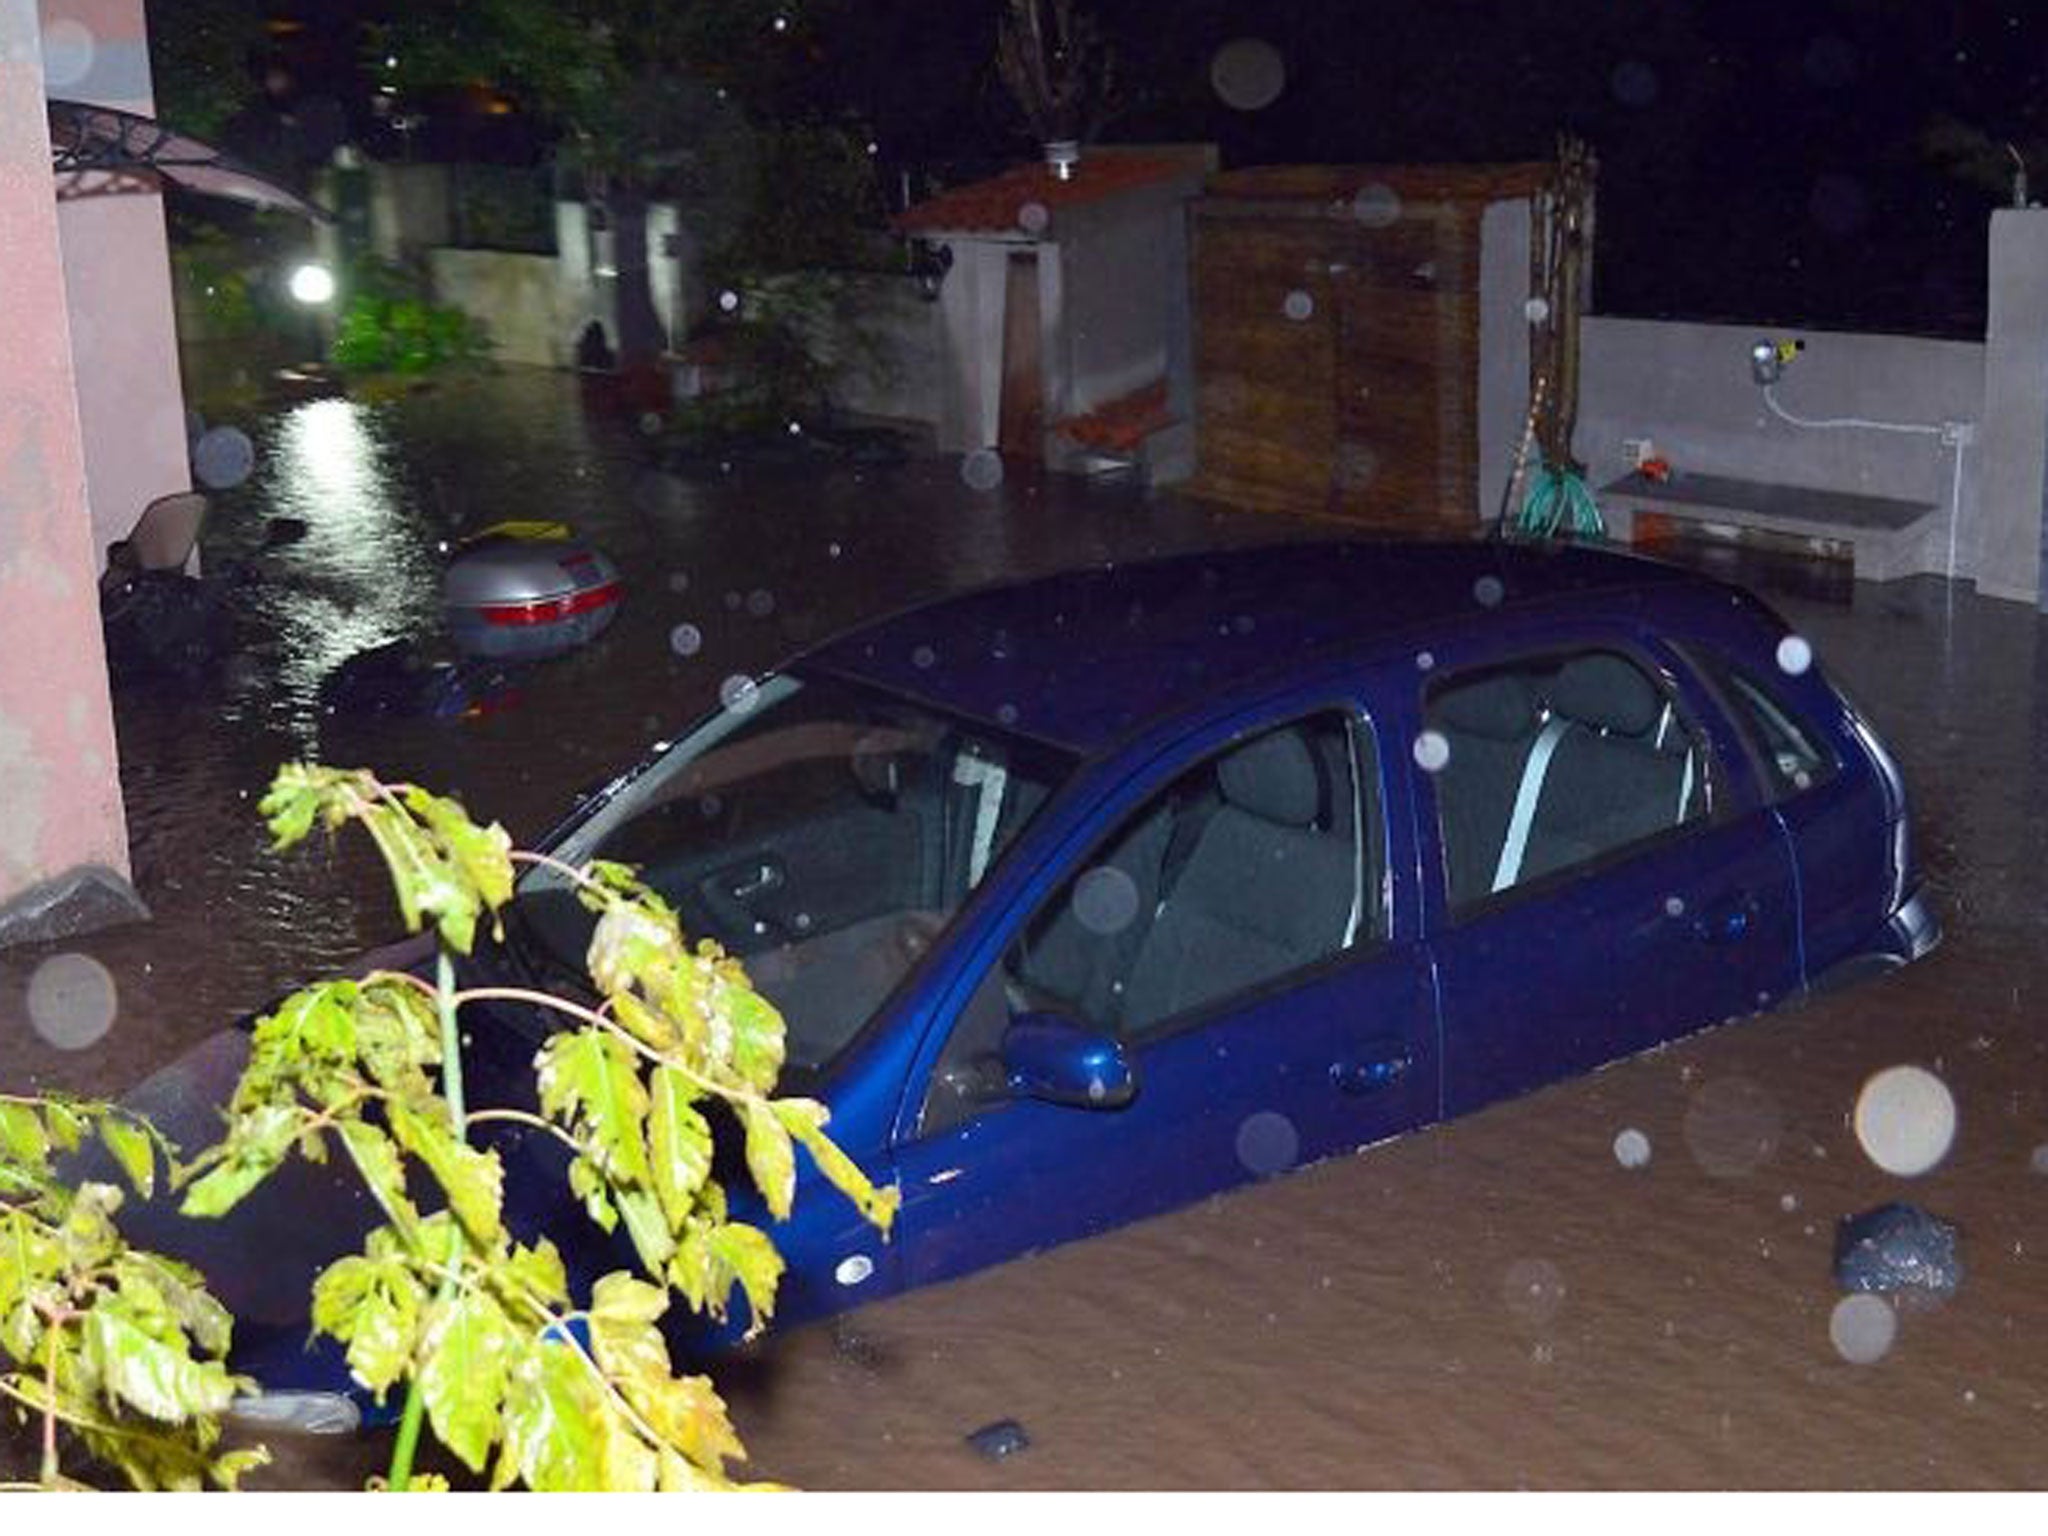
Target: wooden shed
{"type": "Point", "coordinates": [1361, 342]}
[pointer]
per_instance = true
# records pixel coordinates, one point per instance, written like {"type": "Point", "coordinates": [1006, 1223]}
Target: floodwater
{"type": "Point", "coordinates": [1495, 1303]}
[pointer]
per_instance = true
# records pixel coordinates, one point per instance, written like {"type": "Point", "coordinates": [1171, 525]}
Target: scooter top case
{"type": "Point", "coordinates": [528, 591]}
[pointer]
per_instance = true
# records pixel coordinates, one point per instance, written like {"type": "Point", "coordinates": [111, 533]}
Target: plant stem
{"type": "Point", "coordinates": [408, 1439]}
{"type": "Point", "coordinates": [50, 1407]}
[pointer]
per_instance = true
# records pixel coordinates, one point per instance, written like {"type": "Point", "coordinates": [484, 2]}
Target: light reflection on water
{"type": "Point", "coordinates": [364, 572]}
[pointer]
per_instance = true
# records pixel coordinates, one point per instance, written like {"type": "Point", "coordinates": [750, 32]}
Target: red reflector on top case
{"type": "Point", "coordinates": [548, 610]}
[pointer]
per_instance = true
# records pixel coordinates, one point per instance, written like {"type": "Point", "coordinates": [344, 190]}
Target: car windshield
{"type": "Point", "coordinates": [822, 831]}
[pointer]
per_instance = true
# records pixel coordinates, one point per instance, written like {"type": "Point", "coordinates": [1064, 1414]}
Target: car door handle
{"type": "Point", "coordinates": [1726, 921]}
{"type": "Point", "coordinates": [1380, 1069]}
{"type": "Point", "coordinates": [762, 878]}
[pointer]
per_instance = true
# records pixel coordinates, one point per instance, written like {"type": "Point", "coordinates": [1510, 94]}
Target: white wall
{"type": "Point", "coordinates": [518, 297]}
{"type": "Point", "coordinates": [1688, 387]}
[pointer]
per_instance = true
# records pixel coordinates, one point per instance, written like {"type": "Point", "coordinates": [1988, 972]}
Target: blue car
{"type": "Point", "coordinates": [1085, 898]}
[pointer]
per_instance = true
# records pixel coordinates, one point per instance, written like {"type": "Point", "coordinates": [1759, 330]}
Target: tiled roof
{"type": "Point", "coordinates": [999, 203]}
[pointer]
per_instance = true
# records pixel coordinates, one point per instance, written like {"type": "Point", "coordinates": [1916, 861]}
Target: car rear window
{"type": "Point", "coordinates": [1794, 753]}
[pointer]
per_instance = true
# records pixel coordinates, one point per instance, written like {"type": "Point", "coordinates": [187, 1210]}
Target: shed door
{"type": "Point", "coordinates": [1022, 428]}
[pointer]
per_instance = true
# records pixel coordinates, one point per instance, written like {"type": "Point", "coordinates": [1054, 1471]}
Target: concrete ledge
{"type": "Point", "coordinates": [1883, 532]}
{"type": "Point", "coordinates": [83, 899]}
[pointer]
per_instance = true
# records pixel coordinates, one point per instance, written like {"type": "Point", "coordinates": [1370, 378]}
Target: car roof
{"type": "Point", "coordinates": [1088, 658]}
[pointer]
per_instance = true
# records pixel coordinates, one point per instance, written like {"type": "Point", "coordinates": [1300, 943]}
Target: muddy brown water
{"type": "Point", "coordinates": [1494, 1303]}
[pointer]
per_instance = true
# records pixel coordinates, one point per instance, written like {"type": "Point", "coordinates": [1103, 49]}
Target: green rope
{"type": "Point", "coordinates": [1559, 505]}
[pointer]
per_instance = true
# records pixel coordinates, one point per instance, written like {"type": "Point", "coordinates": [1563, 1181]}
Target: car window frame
{"type": "Point", "coordinates": [1066, 862]}
{"type": "Point", "coordinates": [1721, 806]}
{"type": "Point", "coordinates": [1718, 671]}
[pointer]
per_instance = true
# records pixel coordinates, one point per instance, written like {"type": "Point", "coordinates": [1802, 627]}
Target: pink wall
{"type": "Point", "coordinates": [117, 278]}
{"type": "Point", "coordinates": [60, 794]}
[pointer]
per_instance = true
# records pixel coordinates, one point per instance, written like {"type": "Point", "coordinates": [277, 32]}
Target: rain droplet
{"type": "Point", "coordinates": [685, 640]}
{"type": "Point", "coordinates": [2039, 1160]}
{"type": "Point", "coordinates": [650, 423]}
{"type": "Point", "coordinates": [760, 602]}
{"type": "Point", "coordinates": [923, 657]}
{"type": "Point", "coordinates": [1357, 466]}
{"type": "Point", "coordinates": [1376, 206]}
{"type": "Point", "coordinates": [1634, 83]}
{"type": "Point", "coordinates": [678, 582]}
{"type": "Point", "coordinates": [1298, 305]}
{"type": "Point", "coordinates": [1424, 660]}
{"type": "Point", "coordinates": [833, 550]}
{"type": "Point", "coordinates": [1534, 1291]}
{"type": "Point", "coordinates": [1032, 218]}
{"type": "Point", "coordinates": [223, 458]}
{"type": "Point", "coordinates": [1732, 1126]}
{"type": "Point", "coordinates": [739, 693]}
{"type": "Point", "coordinates": [982, 469]}
{"type": "Point", "coordinates": [1488, 591]}
{"type": "Point", "coordinates": [1788, 1203]}
{"type": "Point", "coordinates": [1267, 1143]}
{"type": "Point", "coordinates": [1105, 900]}
{"type": "Point", "coordinates": [1906, 1120]}
{"type": "Point", "coordinates": [1674, 906]}
{"type": "Point", "coordinates": [1537, 310]}
{"type": "Point", "coordinates": [68, 50]}
{"type": "Point", "coordinates": [1632, 1149]}
{"type": "Point", "coordinates": [728, 300]}
{"type": "Point", "coordinates": [1862, 1328]}
{"type": "Point", "coordinates": [72, 1000]}
{"type": "Point", "coordinates": [1795, 655]}
{"type": "Point", "coordinates": [1006, 714]}
{"type": "Point", "coordinates": [732, 602]}
{"type": "Point", "coordinates": [1432, 751]}
{"type": "Point", "coordinates": [1248, 73]}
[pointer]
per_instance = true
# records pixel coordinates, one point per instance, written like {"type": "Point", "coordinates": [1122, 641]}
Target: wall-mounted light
{"type": "Point", "coordinates": [1767, 359]}
{"type": "Point", "coordinates": [311, 283]}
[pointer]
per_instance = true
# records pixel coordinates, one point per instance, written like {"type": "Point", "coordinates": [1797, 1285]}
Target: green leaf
{"type": "Point", "coordinates": [154, 1376]}
{"type": "Point", "coordinates": [483, 855]}
{"type": "Point", "coordinates": [184, 1295]}
{"type": "Point", "coordinates": [771, 1158]}
{"type": "Point", "coordinates": [66, 1122]}
{"type": "Point", "coordinates": [589, 1186]}
{"type": "Point", "coordinates": [553, 1423]}
{"type": "Point", "coordinates": [23, 1138]}
{"type": "Point", "coordinates": [257, 1142]}
{"type": "Point", "coordinates": [294, 799]}
{"type": "Point", "coordinates": [685, 1414]}
{"type": "Point", "coordinates": [131, 1148]}
{"type": "Point", "coordinates": [630, 945]}
{"type": "Point", "coordinates": [757, 1035]}
{"type": "Point", "coordinates": [747, 1254]}
{"type": "Point", "coordinates": [678, 1143]}
{"type": "Point", "coordinates": [539, 1270]}
{"type": "Point", "coordinates": [805, 1119]}
{"type": "Point", "coordinates": [588, 1080]}
{"type": "Point", "coordinates": [474, 1181]}
{"type": "Point", "coordinates": [427, 885]}
{"type": "Point", "coordinates": [377, 1160]}
{"type": "Point", "coordinates": [652, 1237]}
{"type": "Point", "coordinates": [373, 1305]}
{"type": "Point", "coordinates": [469, 1346]}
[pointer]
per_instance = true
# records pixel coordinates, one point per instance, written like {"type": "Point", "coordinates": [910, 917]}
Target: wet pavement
{"type": "Point", "coordinates": [1495, 1303]}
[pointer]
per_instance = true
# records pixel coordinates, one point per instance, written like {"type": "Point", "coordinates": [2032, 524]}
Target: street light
{"type": "Point", "coordinates": [311, 283]}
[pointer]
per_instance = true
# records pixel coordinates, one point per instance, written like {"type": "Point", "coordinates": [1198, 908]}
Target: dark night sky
{"type": "Point", "coordinates": [1761, 160]}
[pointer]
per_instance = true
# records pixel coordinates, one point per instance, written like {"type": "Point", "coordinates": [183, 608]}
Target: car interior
{"type": "Point", "coordinates": [1555, 763]}
{"type": "Point", "coordinates": [1245, 869]}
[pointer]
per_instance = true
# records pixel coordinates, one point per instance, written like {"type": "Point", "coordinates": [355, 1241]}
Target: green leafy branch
{"type": "Point", "coordinates": [122, 1347]}
{"type": "Point", "coordinates": [479, 1328]}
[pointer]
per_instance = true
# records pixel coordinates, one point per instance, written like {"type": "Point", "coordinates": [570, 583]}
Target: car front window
{"type": "Point", "coordinates": [822, 831]}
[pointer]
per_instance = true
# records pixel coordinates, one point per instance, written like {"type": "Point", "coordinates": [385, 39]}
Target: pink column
{"type": "Point", "coordinates": [117, 273]}
{"type": "Point", "coordinates": [60, 793]}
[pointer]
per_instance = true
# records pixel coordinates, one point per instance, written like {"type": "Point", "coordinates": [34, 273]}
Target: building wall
{"type": "Point", "coordinates": [116, 280]}
{"type": "Point", "coordinates": [1503, 347]}
{"type": "Point", "coordinates": [60, 793]}
{"type": "Point", "coordinates": [1688, 388]}
{"type": "Point", "coordinates": [519, 297]}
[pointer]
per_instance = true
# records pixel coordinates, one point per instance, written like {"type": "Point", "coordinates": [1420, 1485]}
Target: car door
{"type": "Point", "coordinates": [1603, 876]}
{"type": "Point", "coordinates": [1240, 945]}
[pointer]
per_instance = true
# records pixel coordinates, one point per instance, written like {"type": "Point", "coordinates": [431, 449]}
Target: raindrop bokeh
{"type": "Point", "coordinates": [760, 602]}
{"type": "Point", "coordinates": [1905, 1120]}
{"type": "Point", "coordinates": [739, 693]}
{"type": "Point", "coordinates": [923, 657]}
{"type": "Point", "coordinates": [1488, 591]}
{"type": "Point", "coordinates": [1634, 83]}
{"type": "Point", "coordinates": [1795, 655]}
{"type": "Point", "coordinates": [1632, 1149]}
{"type": "Point", "coordinates": [1298, 305]}
{"type": "Point", "coordinates": [686, 640]}
{"type": "Point", "coordinates": [1033, 218]}
{"type": "Point", "coordinates": [1862, 1328]}
{"type": "Point", "coordinates": [1248, 73]}
{"type": "Point", "coordinates": [1432, 751]}
{"type": "Point", "coordinates": [1534, 1291]}
{"type": "Point", "coordinates": [1105, 900]}
{"type": "Point", "coordinates": [68, 53]}
{"type": "Point", "coordinates": [1376, 206]}
{"type": "Point", "coordinates": [1732, 1127]}
{"type": "Point", "coordinates": [982, 469]}
{"type": "Point", "coordinates": [1268, 1143]}
{"type": "Point", "coordinates": [223, 458]}
{"type": "Point", "coordinates": [72, 1000]}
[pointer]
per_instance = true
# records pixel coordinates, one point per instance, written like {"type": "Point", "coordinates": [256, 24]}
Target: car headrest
{"type": "Point", "coordinates": [1607, 693]}
{"type": "Point", "coordinates": [1275, 778]}
{"type": "Point", "coordinates": [1500, 708]}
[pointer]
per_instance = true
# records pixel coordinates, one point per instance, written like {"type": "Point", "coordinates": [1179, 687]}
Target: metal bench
{"type": "Point", "coordinates": [1880, 533]}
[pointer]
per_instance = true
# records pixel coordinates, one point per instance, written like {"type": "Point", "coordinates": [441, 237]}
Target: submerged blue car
{"type": "Point", "coordinates": [1087, 897]}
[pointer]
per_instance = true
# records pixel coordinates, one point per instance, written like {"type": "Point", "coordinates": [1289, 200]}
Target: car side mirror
{"type": "Point", "coordinates": [1050, 1057]}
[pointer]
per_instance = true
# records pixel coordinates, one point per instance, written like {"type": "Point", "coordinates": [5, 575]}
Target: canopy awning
{"type": "Point", "coordinates": [85, 139]}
